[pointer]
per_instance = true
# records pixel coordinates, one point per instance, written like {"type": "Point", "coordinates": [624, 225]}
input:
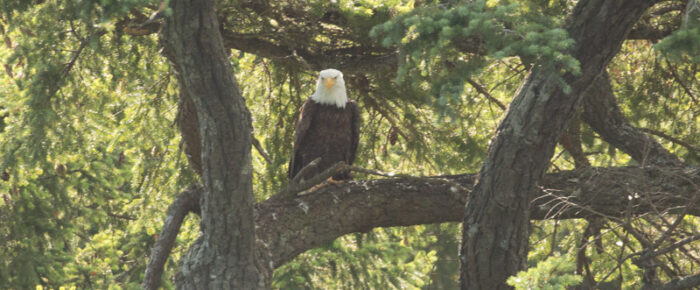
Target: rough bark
{"type": "Point", "coordinates": [189, 129]}
{"type": "Point", "coordinates": [293, 225]}
{"type": "Point", "coordinates": [186, 202]}
{"type": "Point", "coordinates": [290, 227]}
{"type": "Point", "coordinates": [571, 141]}
{"type": "Point", "coordinates": [603, 114]}
{"type": "Point", "coordinates": [223, 257]}
{"type": "Point", "coordinates": [495, 232]}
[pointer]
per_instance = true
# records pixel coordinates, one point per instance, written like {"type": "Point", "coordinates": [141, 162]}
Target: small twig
{"type": "Point", "coordinates": [618, 266]}
{"type": "Point", "coordinates": [666, 234]}
{"type": "Point", "coordinates": [646, 244]}
{"type": "Point", "coordinates": [670, 138]}
{"type": "Point", "coordinates": [121, 216]}
{"type": "Point", "coordinates": [74, 58]}
{"type": "Point", "coordinates": [370, 101]}
{"type": "Point", "coordinates": [651, 251]}
{"type": "Point", "coordinates": [668, 249]}
{"type": "Point", "coordinates": [687, 90]}
{"type": "Point", "coordinates": [305, 169]}
{"type": "Point", "coordinates": [261, 150]}
{"type": "Point", "coordinates": [68, 66]}
{"type": "Point", "coordinates": [479, 88]}
{"type": "Point", "coordinates": [295, 187]}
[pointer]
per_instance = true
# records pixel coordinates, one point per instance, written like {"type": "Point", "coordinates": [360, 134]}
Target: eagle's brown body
{"type": "Point", "coordinates": [325, 131]}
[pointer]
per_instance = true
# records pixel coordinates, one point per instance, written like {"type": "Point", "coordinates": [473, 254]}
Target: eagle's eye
{"type": "Point", "coordinates": [335, 77]}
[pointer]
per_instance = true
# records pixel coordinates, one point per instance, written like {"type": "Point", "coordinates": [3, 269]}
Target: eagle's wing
{"type": "Point", "coordinates": [305, 115]}
{"type": "Point", "coordinates": [356, 124]}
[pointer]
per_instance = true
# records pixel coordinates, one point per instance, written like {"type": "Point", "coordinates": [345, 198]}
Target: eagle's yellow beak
{"type": "Point", "coordinates": [329, 83]}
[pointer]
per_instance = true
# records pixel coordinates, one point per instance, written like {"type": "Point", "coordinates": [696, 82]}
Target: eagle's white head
{"type": "Point", "coordinates": [330, 88]}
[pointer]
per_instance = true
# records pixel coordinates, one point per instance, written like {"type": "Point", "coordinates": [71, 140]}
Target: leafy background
{"type": "Point", "coordinates": [91, 156]}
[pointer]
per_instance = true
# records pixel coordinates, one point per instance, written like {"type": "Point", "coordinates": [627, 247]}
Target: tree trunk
{"type": "Point", "coordinates": [223, 257]}
{"type": "Point", "coordinates": [495, 232]}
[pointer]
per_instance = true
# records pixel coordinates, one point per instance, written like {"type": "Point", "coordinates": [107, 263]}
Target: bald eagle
{"type": "Point", "coordinates": [328, 127]}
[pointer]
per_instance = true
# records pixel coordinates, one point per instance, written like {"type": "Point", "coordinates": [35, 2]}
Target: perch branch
{"type": "Point", "coordinates": [361, 205]}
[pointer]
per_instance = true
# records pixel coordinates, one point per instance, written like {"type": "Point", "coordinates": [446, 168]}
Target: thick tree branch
{"type": "Point", "coordinates": [653, 26]}
{"type": "Point", "coordinates": [603, 114]}
{"type": "Point", "coordinates": [349, 60]}
{"type": "Point", "coordinates": [354, 59]}
{"type": "Point", "coordinates": [186, 202]}
{"type": "Point", "coordinates": [292, 226]}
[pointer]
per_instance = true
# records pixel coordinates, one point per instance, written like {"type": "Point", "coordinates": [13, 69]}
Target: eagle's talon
{"type": "Point", "coordinates": [329, 181]}
{"type": "Point", "coordinates": [335, 182]}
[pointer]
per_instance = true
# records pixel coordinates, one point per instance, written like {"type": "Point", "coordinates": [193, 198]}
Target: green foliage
{"type": "Point", "coordinates": [552, 273]}
{"type": "Point", "coordinates": [684, 43]}
{"type": "Point", "coordinates": [385, 258]}
{"type": "Point", "coordinates": [654, 94]}
{"type": "Point", "coordinates": [446, 44]}
{"type": "Point", "coordinates": [90, 158]}
{"type": "Point", "coordinates": [86, 147]}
